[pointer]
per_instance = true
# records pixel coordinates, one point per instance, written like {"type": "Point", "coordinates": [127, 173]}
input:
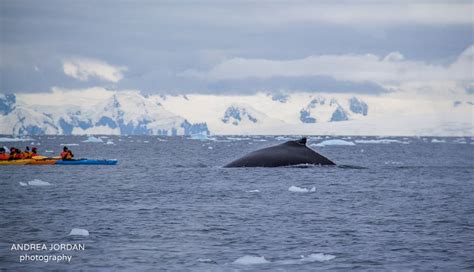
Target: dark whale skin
{"type": "Point", "coordinates": [289, 153]}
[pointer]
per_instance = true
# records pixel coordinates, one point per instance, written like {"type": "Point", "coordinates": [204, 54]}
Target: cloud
{"type": "Point", "coordinates": [391, 70]}
{"type": "Point", "coordinates": [83, 69]}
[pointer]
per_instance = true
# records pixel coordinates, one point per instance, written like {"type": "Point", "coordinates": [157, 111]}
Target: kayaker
{"type": "Point", "coordinates": [3, 154]}
{"type": "Point", "coordinates": [27, 153]}
{"type": "Point", "coordinates": [34, 152]}
{"type": "Point", "coordinates": [15, 154]}
{"type": "Point", "coordinates": [66, 155]}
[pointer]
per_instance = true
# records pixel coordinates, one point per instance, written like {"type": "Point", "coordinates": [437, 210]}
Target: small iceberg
{"type": "Point", "coordinates": [109, 142]}
{"type": "Point", "coordinates": [318, 257]}
{"type": "Point", "coordinates": [315, 257]}
{"type": "Point", "coordinates": [69, 144]}
{"type": "Point", "coordinates": [438, 141]}
{"type": "Point", "coordinates": [253, 191]}
{"type": "Point", "coordinates": [296, 189]}
{"type": "Point", "coordinates": [79, 232]}
{"type": "Point", "coordinates": [333, 142]}
{"type": "Point", "coordinates": [201, 137]}
{"type": "Point", "coordinates": [35, 182]}
{"type": "Point", "coordinates": [381, 141]}
{"type": "Point", "coordinates": [14, 139]}
{"type": "Point", "coordinates": [250, 260]}
{"type": "Point", "coordinates": [210, 147]}
{"type": "Point", "coordinates": [92, 139]}
{"type": "Point", "coordinates": [202, 260]}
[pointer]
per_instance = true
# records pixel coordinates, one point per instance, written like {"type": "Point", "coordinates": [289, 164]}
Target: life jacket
{"type": "Point", "coordinates": [66, 155]}
{"type": "Point", "coordinates": [19, 156]}
{"type": "Point", "coordinates": [34, 154]}
{"type": "Point", "coordinates": [4, 156]}
{"type": "Point", "coordinates": [27, 155]}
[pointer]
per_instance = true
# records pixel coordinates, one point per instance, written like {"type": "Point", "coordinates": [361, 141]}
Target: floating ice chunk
{"type": "Point", "coordinates": [79, 232]}
{"type": "Point", "coordinates": [109, 142]}
{"type": "Point", "coordinates": [202, 260]}
{"type": "Point", "coordinates": [209, 147]}
{"type": "Point", "coordinates": [238, 139]}
{"type": "Point", "coordinates": [92, 139]}
{"type": "Point", "coordinates": [253, 191]}
{"type": "Point", "coordinates": [49, 151]}
{"type": "Point", "coordinates": [381, 141]}
{"type": "Point", "coordinates": [70, 144]}
{"type": "Point", "coordinates": [249, 260]}
{"type": "Point", "coordinates": [333, 142]}
{"type": "Point", "coordinates": [297, 189]}
{"type": "Point", "coordinates": [438, 141]}
{"type": "Point", "coordinates": [23, 183]}
{"type": "Point", "coordinates": [13, 139]}
{"type": "Point", "coordinates": [201, 137]}
{"type": "Point", "coordinates": [317, 257]}
{"type": "Point", "coordinates": [146, 142]}
{"type": "Point", "coordinates": [38, 182]}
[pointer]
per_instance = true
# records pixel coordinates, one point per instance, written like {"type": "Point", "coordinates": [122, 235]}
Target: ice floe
{"type": "Point", "coordinates": [92, 139]}
{"type": "Point", "coordinates": [250, 260]}
{"type": "Point", "coordinates": [14, 139]}
{"type": "Point", "coordinates": [109, 142]}
{"type": "Point", "coordinates": [282, 138]}
{"type": "Point", "coordinates": [315, 257]}
{"type": "Point", "coordinates": [203, 260]}
{"type": "Point", "coordinates": [73, 144]}
{"type": "Point", "coordinates": [35, 182]}
{"type": "Point", "coordinates": [79, 232]}
{"type": "Point", "coordinates": [438, 141]}
{"type": "Point", "coordinates": [381, 141]}
{"type": "Point", "coordinates": [253, 191]}
{"type": "Point", "coordinates": [333, 142]}
{"type": "Point", "coordinates": [210, 147]}
{"type": "Point", "coordinates": [201, 137]}
{"type": "Point", "coordinates": [296, 189]}
{"type": "Point", "coordinates": [49, 151]}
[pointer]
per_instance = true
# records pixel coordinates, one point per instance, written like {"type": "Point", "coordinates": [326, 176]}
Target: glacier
{"type": "Point", "coordinates": [100, 111]}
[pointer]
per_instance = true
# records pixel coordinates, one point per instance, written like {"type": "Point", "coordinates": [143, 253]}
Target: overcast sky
{"type": "Point", "coordinates": [236, 47]}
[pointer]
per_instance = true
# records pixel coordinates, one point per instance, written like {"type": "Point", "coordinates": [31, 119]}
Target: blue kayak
{"type": "Point", "coordinates": [87, 162]}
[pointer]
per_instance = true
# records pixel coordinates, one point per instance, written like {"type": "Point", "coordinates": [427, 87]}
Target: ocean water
{"type": "Point", "coordinates": [169, 205]}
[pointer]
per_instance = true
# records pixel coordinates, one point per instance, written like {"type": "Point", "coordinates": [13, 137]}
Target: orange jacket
{"type": "Point", "coordinates": [4, 156]}
{"type": "Point", "coordinates": [66, 155]}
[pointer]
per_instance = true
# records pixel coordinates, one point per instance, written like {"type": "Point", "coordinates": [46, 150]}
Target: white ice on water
{"type": "Point", "coordinates": [438, 141]}
{"type": "Point", "coordinates": [35, 182]}
{"type": "Point", "coordinates": [250, 260]}
{"type": "Point", "coordinates": [92, 139]}
{"type": "Point", "coordinates": [253, 191]}
{"type": "Point", "coordinates": [333, 142]}
{"type": "Point", "coordinates": [109, 142]}
{"type": "Point", "coordinates": [315, 257]}
{"type": "Point", "coordinates": [79, 232]}
{"type": "Point", "coordinates": [296, 189]}
{"type": "Point", "coordinates": [381, 141]}
{"type": "Point", "coordinates": [14, 139]}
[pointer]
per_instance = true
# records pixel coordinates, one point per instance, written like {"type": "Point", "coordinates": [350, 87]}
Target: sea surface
{"type": "Point", "coordinates": [406, 204]}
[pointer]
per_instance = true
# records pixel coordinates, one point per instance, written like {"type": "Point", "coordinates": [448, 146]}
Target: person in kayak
{"type": "Point", "coordinates": [66, 155]}
{"type": "Point", "coordinates": [3, 155]}
{"type": "Point", "coordinates": [15, 154]}
{"type": "Point", "coordinates": [27, 153]}
{"type": "Point", "coordinates": [34, 152]}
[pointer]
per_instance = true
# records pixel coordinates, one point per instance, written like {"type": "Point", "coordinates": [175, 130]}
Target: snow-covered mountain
{"type": "Point", "coordinates": [120, 113]}
{"type": "Point", "coordinates": [101, 111]}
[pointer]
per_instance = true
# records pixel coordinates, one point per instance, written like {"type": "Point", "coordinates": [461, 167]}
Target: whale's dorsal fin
{"type": "Point", "coordinates": [301, 141]}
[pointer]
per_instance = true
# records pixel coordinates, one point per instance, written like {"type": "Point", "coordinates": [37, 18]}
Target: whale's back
{"type": "Point", "coordinates": [289, 153]}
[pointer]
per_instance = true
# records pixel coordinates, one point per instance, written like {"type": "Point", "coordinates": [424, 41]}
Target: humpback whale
{"type": "Point", "coordinates": [289, 153]}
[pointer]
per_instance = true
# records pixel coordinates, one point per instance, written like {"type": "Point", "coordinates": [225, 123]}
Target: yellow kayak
{"type": "Point", "coordinates": [38, 160]}
{"type": "Point", "coordinates": [15, 162]}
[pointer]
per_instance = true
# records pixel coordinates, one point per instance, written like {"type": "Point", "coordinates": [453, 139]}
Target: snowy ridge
{"type": "Point", "coordinates": [100, 111]}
